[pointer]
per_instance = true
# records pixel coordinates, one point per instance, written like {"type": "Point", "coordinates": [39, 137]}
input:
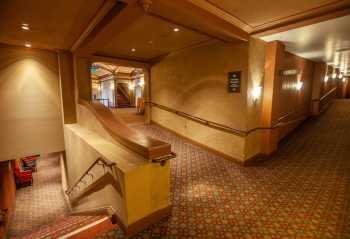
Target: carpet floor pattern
{"type": "Point", "coordinates": [41, 203]}
{"type": "Point", "coordinates": [303, 191]}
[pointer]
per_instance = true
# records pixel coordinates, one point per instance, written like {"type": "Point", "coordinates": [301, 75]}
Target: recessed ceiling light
{"type": "Point", "coordinates": [133, 49]}
{"type": "Point", "coordinates": [25, 26]}
{"type": "Point", "coordinates": [27, 45]}
{"type": "Point", "coordinates": [176, 29]}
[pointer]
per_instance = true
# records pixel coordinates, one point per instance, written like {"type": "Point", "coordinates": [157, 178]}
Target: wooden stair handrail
{"type": "Point", "coordinates": [105, 162]}
{"type": "Point", "coordinates": [136, 141]}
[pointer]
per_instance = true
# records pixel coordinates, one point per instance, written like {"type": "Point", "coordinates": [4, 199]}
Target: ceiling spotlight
{"type": "Point", "coordinates": [176, 29]}
{"type": "Point", "coordinates": [26, 28]}
{"type": "Point", "coordinates": [27, 45]}
{"type": "Point", "coordinates": [133, 49]}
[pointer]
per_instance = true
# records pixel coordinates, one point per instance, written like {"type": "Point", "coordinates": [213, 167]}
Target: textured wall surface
{"type": "Point", "coordinates": [195, 81]}
{"type": "Point", "coordinates": [30, 118]}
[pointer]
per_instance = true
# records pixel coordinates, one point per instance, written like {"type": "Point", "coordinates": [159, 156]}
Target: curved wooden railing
{"type": "Point", "coordinates": [242, 133]}
{"type": "Point", "coordinates": [136, 141]}
{"type": "Point", "coordinates": [101, 162]}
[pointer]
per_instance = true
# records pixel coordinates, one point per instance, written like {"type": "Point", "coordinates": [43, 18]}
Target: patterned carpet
{"type": "Point", "coordinates": [303, 191]}
{"type": "Point", "coordinates": [41, 203]}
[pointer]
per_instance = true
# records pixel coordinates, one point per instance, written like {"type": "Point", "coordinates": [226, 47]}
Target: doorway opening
{"type": "Point", "coordinates": [119, 88]}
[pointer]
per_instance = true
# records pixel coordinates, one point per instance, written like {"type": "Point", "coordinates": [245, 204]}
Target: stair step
{"type": "Point", "coordinates": [70, 226]}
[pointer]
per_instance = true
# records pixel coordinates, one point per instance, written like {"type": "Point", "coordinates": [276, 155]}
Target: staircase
{"type": "Point", "coordinates": [123, 100]}
{"type": "Point", "coordinates": [73, 226]}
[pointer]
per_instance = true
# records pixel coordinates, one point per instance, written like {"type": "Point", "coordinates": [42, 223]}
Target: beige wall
{"type": "Point", "coordinates": [195, 81]}
{"type": "Point", "coordinates": [30, 116]}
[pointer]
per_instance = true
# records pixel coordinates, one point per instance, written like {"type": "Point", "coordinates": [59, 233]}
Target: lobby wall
{"type": "Point", "coordinates": [195, 81]}
{"type": "Point", "coordinates": [30, 110]}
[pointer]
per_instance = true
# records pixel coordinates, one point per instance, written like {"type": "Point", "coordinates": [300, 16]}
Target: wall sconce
{"type": "Point", "coordinates": [299, 85]}
{"type": "Point", "coordinates": [334, 75]}
{"type": "Point", "coordinates": [131, 86]}
{"type": "Point", "coordinates": [256, 92]}
{"type": "Point", "coordinates": [142, 82]}
{"type": "Point", "coordinates": [326, 78]}
{"type": "Point", "coordinates": [343, 79]}
{"type": "Point", "coordinates": [340, 76]}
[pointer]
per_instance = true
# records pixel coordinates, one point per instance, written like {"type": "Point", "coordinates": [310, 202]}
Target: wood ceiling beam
{"type": "Point", "coordinates": [119, 18]}
{"type": "Point", "coordinates": [101, 13]}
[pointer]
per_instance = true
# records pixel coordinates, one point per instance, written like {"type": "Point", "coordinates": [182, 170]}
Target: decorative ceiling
{"type": "Point", "coordinates": [101, 70]}
{"type": "Point", "coordinates": [256, 15]}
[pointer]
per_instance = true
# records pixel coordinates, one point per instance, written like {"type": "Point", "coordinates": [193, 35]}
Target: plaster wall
{"type": "Point", "coordinates": [30, 109]}
{"type": "Point", "coordinates": [195, 81]}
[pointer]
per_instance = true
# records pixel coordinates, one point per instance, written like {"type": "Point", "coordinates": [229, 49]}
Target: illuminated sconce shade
{"type": "Point", "coordinates": [131, 86]}
{"type": "Point", "coordinates": [256, 92]}
{"type": "Point", "coordinates": [334, 75]}
{"type": "Point", "coordinates": [299, 85]}
{"type": "Point", "coordinates": [326, 78]}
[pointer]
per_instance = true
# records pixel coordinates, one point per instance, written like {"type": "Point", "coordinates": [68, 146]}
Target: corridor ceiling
{"type": "Point", "coordinates": [53, 24]}
{"type": "Point", "coordinates": [159, 39]}
{"type": "Point", "coordinates": [327, 41]}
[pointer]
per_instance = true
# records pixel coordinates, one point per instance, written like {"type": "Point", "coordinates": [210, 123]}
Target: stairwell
{"type": "Point", "coordinates": [123, 99]}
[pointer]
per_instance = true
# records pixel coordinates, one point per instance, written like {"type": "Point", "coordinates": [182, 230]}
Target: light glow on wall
{"type": "Point", "coordinates": [131, 86]}
{"type": "Point", "coordinates": [256, 92]}
{"type": "Point", "coordinates": [299, 85]}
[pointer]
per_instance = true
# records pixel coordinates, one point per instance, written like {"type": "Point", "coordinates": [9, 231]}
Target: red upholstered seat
{"type": "Point", "coordinates": [22, 177]}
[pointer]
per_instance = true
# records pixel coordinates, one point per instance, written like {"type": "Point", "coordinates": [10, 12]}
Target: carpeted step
{"type": "Point", "coordinates": [66, 226]}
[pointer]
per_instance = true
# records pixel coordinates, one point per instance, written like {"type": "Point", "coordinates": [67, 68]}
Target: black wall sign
{"type": "Point", "coordinates": [234, 82]}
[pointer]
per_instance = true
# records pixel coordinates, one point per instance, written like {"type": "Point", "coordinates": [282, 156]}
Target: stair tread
{"type": "Point", "coordinates": [62, 226]}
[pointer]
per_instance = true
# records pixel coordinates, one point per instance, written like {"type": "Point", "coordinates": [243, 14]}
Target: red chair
{"type": "Point", "coordinates": [29, 163]}
{"type": "Point", "coordinates": [23, 177]}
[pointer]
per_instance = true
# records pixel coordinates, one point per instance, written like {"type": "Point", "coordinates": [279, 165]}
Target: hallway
{"type": "Point", "coordinates": [301, 192]}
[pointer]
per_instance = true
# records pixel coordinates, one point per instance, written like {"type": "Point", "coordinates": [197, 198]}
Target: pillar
{"type": "Point", "coordinates": [66, 76]}
{"type": "Point", "coordinates": [317, 85]}
{"type": "Point", "coordinates": [272, 85]}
